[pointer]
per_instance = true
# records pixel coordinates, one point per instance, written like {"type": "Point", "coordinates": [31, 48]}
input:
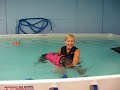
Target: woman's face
{"type": "Point", "coordinates": [69, 43]}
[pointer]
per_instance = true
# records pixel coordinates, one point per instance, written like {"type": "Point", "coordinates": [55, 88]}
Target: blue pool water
{"type": "Point", "coordinates": [17, 61]}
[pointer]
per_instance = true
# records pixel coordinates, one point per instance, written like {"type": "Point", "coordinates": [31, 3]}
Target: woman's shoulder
{"type": "Point", "coordinates": [76, 49]}
{"type": "Point", "coordinates": [63, 48]}
{"type": "Point", "coordinates": [60, 50]}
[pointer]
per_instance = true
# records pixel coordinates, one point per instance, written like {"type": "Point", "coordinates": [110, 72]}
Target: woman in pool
{"type": "Point", "coordinates": [67, 56]}
{"type": "Point", "coordinates": [69, 50]}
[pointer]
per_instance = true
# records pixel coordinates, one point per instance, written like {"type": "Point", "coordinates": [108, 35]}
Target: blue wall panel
{"type": "Point", "coordinates": [3, 25]}
{"type": "Point", "coordinates": [60, 12]}
{"type": "Point", "coordinates": [75, 16]}
{"type": "Point", "coordinates": [89, 16]}
{"type": "Point", "coordinates": [111, 18]}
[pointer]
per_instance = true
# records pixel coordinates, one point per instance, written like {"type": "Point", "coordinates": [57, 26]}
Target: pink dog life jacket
{"type": "Point", "coordinates": [54, 58]}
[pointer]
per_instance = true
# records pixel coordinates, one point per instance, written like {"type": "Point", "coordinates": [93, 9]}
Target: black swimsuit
{"type": "Point", "coordinates": [69, 55]}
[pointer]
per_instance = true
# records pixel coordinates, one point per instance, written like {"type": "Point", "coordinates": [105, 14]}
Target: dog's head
{"type": "Point", "coordinates": [66, 62]}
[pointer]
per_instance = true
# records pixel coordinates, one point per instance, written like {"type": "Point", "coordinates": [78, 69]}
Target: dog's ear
{"type": "Point", "coordinates": [65, 62]}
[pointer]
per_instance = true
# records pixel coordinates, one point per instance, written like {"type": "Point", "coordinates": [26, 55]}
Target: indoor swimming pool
{"type": "Point", "coordinates": [96, 60]}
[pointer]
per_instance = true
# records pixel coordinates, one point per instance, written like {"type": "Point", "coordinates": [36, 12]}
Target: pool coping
{"type": "Point", "coordinates": [60, 79]}
{"type": "Point", "coordinates": [58, 35]}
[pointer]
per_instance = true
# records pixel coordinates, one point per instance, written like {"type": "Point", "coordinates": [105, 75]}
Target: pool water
{"type": "Point", "coordinates": [17, 61]}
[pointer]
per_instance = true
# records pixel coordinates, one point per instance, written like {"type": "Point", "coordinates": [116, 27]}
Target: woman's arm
{"type": "Point", "coordinates": [76, 57]}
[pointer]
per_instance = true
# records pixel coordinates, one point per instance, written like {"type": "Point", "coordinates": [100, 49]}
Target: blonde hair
{"type": "Point", "coordinates": [69, 36]}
